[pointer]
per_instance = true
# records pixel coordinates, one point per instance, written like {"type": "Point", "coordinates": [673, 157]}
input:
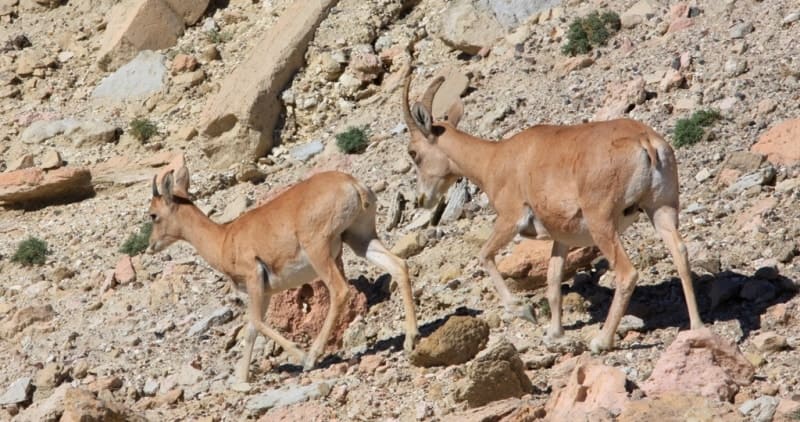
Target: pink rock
{"type": "Point", "coordinates": [679, 10]}
{"type": "Point", "coordinates": [300, 312]}
{"type": "Point", "coordinates": [621, 97]}
{"type": "Point", "coordinates": [781, 143]}
{"type": "Point", "coordinates": [673, 79]}
{"type": "Point", "coordinates": [700, 362]}
{"type": "Point", "coordinates": [184, 63]}
{"type": "Point", "coordinates": [583, 386]}
{"type": "Point", "coordinates": [309, 411]}
{"type": "Point", "coordinates": [751, 219]}
{"type": "Point", "coordinates": [679, 25]}
{"type": "Point", "coordinates": [124, 272]}
{"type": "Point", "coordinates": [34, 185]}
{"type": "Point", "coordinates": [528, 262]}
{"type": "Point", "coordinates": [575, 63]}
{"type": "Point", "coordinates": [369, 363]}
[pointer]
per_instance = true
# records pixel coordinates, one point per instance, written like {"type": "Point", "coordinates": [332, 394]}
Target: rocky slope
{"type": "Point", "coordinates": [157, 336]}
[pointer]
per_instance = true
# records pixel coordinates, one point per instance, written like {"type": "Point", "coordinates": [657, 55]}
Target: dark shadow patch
{"type": "Point", "coordinates": [663, 305]}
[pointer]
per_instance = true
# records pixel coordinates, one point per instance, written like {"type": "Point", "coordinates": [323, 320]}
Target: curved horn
{"type": "Point", "coordinates": [406, 110]}
{"type": "Point", "coordinates": [155, 187]}
{"type": "Point", "coordinates": [427, 99]}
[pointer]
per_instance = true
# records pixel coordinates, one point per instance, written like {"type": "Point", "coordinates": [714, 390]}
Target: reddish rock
{"type": "Point", "coordinates": [679, 407]}
{"type": "Point", "coordinates": [751, 219]}
{"type": "Point", "coordinates": [583, 386]}
{"type": "Point", "coordinates": [529, 259]}
{"type": "Point", "coordinates": [575, 63]}
{"type": "Point", "coordinates": [781, 143]}
{"type": "Point", "coordinates": [183, 63]}
{"type": "Point", "coordinates": [24, 318]}
{"type": "Point", "coordinates": [621, 97]}
{"type": "Point", "coordinates": [124, 272]}
{"type": "Point", "coordinates": [81, 405]}
{"type": "Point", "coordinates": [366, 66]}
{"type": "Point", "coordinates": [309, 411]}
{"type": "Point", "coordinates": [700, 362]}
{"type": "Point", "coordinates": [679, 25]}
{"type": "Point", "coordinates": [679, 10]}
{"type": "Point", "coordinates": [509, 410]}
{"type": "Point", "coordinates": [34, 185]}
{"type": "Point", "coordinates": [300, 313]}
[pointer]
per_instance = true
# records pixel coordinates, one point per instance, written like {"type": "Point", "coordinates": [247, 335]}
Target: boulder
{"type": "Point", "coordinates": [137, 25]}
{"type": "Point", "coordinates": [220, 316]}
{"type": "Point", "coordinates": [455, 342]}
{"type": "Point", "coordinates": [286, 396]}
{"type": "Point", "coordinates": [455, 83]}
{"type": "Point", "coordinates": [241, 117]}
{"type": "Point", "coordinates": [497, 373]}
{"type": "Point", "coordinates": [36, 186]}
{"type": "Point", "coordinates": [49, 409]}
{"type": "Point", "coordinates": [781, 143]}
{"type": "Point", "coordinates": [82, 133]}
{"type": "Point", "coordinates": [583, 386]}
{"type": "Point", "coordinates": [300, 313]}
{"type": "Point", "coordinates": [468, 27]}
{"type": "Point", "coordinates": [124, 272]}
{"type": "Point", "coordinates": [677, 406]}
{"type": "Point", "coordinates": [700, 362]}
{"type": "Point", "coordinates": [621, 98]}
{"type": "Point", "coordinates": [528, 261]}
{"type": "Point", "coordinates": [18, 392]}
{"type": "Point", "coordinates": [511, 13]}
{"type": "Point", "coordinates": [638, 13]}
{"type": "Point", "coordinates": [24, 318]}
{"type": "Point", "coordinates": [81, 405]}
{"type": "Point", "coordinates": [507, 410]}
{"type": "Point", "coordinates": [138, 79]}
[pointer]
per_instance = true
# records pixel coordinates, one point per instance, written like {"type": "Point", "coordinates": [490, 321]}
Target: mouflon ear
{"type": "Point", "coordinates": [422, 118]}
{"type": "Point", "coordinates": [166, 187]}
{"type": "Point", "coordinates": [181, 187]}
{"type": "Point", "coordinates": [155, 187]}
{"type": "Point", "coordinates": [455, 112]}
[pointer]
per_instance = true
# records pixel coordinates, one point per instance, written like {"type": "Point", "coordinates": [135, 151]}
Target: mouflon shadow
{"type": "Point", "coordinates": [393, 343]}
{"type": "Point", "coordinates": [723, 296]}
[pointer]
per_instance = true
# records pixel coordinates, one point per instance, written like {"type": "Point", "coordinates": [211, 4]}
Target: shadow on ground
{"type": "Point", "coordinates": [724, 296]}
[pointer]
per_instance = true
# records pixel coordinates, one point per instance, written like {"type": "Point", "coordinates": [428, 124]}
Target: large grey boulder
{"type": "Point", "coordinates": [138, 79]}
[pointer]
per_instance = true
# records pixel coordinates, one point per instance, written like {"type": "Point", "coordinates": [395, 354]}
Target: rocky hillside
{"type": "Point", "coordinates": [98, 96]}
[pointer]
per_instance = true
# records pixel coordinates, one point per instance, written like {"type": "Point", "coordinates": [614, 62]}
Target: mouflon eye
{"type": "Point", "coordinates": [153, 217]}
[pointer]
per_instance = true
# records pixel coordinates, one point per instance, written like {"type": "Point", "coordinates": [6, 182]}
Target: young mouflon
{"type": "Point", "coordinates": [291, 240]}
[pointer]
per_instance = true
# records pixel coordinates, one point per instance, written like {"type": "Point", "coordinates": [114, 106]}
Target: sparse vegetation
{"type": "Point", "coordinates": [590, 31]}
{"type": "Point", "coordinates": [353, 141]}
{"type": "Point", "coordinates": [690, 130]}
{"type": "Point", "coordinates": [137, 242]}
{"type": "Point", "coordinates": [216, 37]}
{"type": "Point", "coordinates": [142, 129]}
{"type": "Point", "coordinates": [544, 308]}
{"type": "Point", "coordinates": [31, 251]}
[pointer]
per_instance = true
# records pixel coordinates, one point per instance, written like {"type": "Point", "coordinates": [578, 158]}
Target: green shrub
{"type": "Point", "coordinates": [31, 251]}
{"type": "Point", "coordinates": [544, 308]}
{"type": "Point", "coordinates": [216, 37]}
{"type": "Point", "coordinates": [590, 31]}
{"type": "Point", "coordinates": [353, 141]}
{"type": "Point", "coordinates": [143, 129]}
{"type": "Point", "coordinates": [690, 130]}
{"type": "Point", "coordinates": [137, 242]}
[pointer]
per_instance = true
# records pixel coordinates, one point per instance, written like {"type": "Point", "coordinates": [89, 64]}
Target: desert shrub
{"type": "Point", "coordinates": [31, 251]}
{"type": "Point", "coordinates": [142, 129]}
{"type": "Point", "coordinates": [590, 31]}
{"type": "Point", "coordinates": [690, 130]}
{"type": "Point", "coordinates": [353, 141]}
{"type": "Point", "coordinates": [137, 242]}
{"type": "Point", "coordinates": [216, 37]}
